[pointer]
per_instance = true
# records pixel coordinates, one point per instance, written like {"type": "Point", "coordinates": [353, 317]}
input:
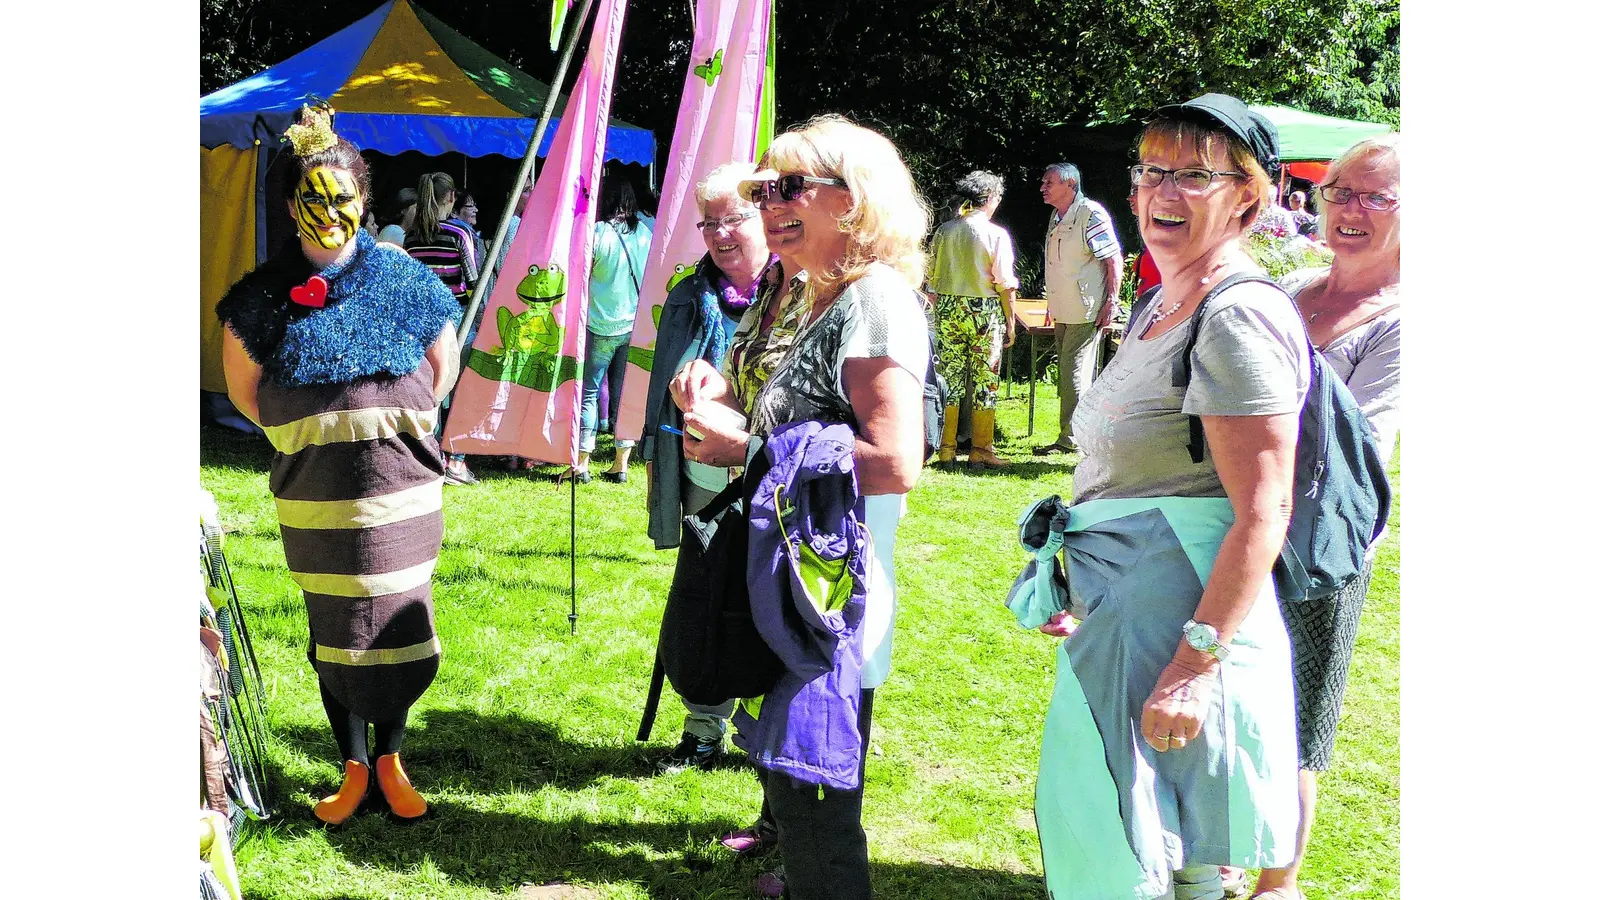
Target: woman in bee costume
{"type": "Point", "coordinates": [340, 349]}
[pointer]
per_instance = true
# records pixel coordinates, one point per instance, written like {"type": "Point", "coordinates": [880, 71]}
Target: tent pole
{"type": "Point", "coordinates": [522, 176]}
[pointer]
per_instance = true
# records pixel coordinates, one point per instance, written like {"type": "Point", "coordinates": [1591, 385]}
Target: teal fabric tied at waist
{"type": "Point", "coordinates": [1040, 590]}
{"type": "Point", "coordinates": [1115, 817]}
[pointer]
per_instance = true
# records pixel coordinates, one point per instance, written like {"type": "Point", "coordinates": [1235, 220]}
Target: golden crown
{"type": "Point", "coordinates": [314, 132]}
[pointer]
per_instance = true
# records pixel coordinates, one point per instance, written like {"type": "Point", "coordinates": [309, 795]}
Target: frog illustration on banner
{"type": "Point", "coordinates": [645, 357]}
{"type": "Point", "coordinates": [529, 353]}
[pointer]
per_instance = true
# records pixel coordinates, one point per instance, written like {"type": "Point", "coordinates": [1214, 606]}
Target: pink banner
{"type": "Point", "coordinates": [519, 392]}
{"type": "Point", "coordinates": [717, 123]}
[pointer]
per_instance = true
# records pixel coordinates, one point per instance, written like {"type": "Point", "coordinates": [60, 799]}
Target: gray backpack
{"type": "Point", "coordinates": [1341, 492]}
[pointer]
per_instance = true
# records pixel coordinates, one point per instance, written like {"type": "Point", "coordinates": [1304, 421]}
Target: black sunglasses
{"type": "Point", "coordinates": [788, 187]}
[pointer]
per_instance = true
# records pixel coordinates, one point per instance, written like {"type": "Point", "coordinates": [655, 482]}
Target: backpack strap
{"type": "Point", "coordinates": [652, 701]}
{"type": "Point", "coordinates": [1183, 369]}
{"type": "Point", "coordinates": [632, 272]}
{"type": "Point", "coordinates": [1139, 303]}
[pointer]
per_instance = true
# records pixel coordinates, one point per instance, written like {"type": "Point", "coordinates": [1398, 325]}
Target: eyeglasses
{"type": "Point", "coordinates": [1188, 180]}
{"type": "Point", "coordinates": [710, 226]}
{"type": "Point", "coordinates": [788, 187]}
{"type": "Point", "coordinates": [1371, 199]}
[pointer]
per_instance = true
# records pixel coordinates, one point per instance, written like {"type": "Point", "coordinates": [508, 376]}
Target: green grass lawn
{"type": "Point", "coordinates": [524, 745]}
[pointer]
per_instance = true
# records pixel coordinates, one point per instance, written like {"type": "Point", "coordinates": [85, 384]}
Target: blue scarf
{"type": "Point", "coordinates": [383, 311]}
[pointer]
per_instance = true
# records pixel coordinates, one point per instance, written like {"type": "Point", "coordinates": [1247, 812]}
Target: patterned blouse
{"type": "Point", "coordinates": [754, 354]}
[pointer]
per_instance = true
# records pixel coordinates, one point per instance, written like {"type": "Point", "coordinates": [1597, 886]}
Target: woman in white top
{"type": "Point", "coordinates": [971, 271]}
{"type": "Point", "coordinates": [839, 201]}
{"type": "Point", "coordinates": [1352, 315]}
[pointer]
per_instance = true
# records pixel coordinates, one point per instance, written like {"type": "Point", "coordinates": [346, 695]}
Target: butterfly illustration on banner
{"type": "Point", "coordinates": [710, 69]}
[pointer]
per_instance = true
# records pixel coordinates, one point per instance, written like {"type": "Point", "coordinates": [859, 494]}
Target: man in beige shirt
{"type": "Point", "coordinates": [1082, 278]}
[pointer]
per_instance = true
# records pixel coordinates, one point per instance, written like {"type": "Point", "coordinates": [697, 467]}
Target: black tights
{"type": "Point", "coordinates": [350, 731]}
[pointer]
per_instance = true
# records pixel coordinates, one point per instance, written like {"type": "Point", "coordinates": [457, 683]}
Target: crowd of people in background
{"type": "Point", "coordinates": [821, 302]}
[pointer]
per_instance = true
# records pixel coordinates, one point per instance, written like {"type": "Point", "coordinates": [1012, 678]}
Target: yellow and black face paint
{"type": "Point", "coordinates": [327, 207]}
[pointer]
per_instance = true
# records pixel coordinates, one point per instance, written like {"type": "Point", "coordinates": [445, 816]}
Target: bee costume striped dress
{"type": "Point", "coordinates": [346, 398]}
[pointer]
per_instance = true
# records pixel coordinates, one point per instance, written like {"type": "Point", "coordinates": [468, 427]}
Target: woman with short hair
{"type": "Point", "coordinates": [698, 322]}
{"type": "Point", "coordinates": [1352, 314]}
{"type": "Point", "coordinates": [1169, 745]}
{"type": "Point", "coordinates": [971, 271]}
{"type": "Point", "coordinates": [836, 198]}
{"type": "Point", "coordinates": [397, 218]}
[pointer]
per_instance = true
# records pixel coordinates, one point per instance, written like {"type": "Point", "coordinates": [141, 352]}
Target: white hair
{"type": "Point", "coordinates": [722, 183]}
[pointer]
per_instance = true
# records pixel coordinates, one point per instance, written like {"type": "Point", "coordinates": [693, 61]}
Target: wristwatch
{"type": "Point", "coordinates": [1205, 639]}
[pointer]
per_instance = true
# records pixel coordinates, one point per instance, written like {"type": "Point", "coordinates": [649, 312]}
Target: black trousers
{"type": "Point", "coordinates": [350, 731]}
{"type": "Point", "coordinates": [820, 837]}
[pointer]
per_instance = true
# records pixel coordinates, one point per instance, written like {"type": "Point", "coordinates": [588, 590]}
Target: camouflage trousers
{"type": "Point", "coordinates": [970, 335]}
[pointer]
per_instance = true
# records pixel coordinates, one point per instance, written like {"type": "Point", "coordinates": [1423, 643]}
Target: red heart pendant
{"type": "Point", "coordinates": [313, 293]}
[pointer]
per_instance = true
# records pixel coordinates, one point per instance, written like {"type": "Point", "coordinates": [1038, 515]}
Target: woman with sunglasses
{"type": "Point", "coordinates": [1352, 314]}
{"type": "Point", "coordinates": [837, 199]}
{"type": "Point", "coordinates": [1169, 746]}
{"type": "Point", "coordinates": [697, 325]}
{"type": "Point", "coordinates": [970, 271]}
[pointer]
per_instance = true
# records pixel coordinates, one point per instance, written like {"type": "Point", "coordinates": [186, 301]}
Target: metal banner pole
{"type": "Point", "coordinates": [522, 173]}
{"type": "Point", "coordinates": [572, 509]}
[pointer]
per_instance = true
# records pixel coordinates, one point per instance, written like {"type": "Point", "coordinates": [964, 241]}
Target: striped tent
{"type": "Point", "coordinates": [400, 80]}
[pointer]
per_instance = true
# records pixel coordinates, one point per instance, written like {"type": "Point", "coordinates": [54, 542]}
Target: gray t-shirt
{"type": "Point", "coordinates": [1133, 424]}
{"type": "Point", "coordinates": [878, 315]}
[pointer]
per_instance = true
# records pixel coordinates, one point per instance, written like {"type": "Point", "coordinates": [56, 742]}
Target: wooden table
{"type": "Point", "coordinates": [1033, 319]}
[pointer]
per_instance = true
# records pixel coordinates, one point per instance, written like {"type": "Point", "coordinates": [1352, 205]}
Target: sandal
{"type": "Point", "coordinates": [750, 840]}
{"type": "Point", "coordinates": [770, 884]}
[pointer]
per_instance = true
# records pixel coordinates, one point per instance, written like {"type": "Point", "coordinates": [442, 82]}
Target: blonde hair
{"type": "Point", "coordinates": [722, 183]}
{"type": "Point", "coordinates": [431, 207]}
{"type": "Point", "coordinates": [888, 218]}
{"type": "Point", "coordinates": [1168, 137]}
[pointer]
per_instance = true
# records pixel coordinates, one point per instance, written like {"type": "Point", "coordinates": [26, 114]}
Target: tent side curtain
{"type": "Point", "coordinates": [227, 244]}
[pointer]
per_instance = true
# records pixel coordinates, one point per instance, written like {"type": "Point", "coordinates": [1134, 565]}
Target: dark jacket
{"type": "Point", "coordinates": [807, 575]}
{"type": "Point", "coordinates": [682, 335]}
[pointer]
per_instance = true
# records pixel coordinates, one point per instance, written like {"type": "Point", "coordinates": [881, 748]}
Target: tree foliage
{"type": "Point", "coordinates": [1008, 85]}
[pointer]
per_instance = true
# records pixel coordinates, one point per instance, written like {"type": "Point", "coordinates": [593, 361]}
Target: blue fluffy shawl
{"type": "Point", "coordinates": [384, 310]}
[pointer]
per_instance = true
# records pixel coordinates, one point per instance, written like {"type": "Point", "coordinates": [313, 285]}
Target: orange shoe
{"type": "Point", "coordinates": [338, 808]}
{"type": "Point", "coordinates": [404, 801]}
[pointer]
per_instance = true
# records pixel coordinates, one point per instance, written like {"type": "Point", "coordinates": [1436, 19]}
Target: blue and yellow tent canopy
{"type": "Point", "coordinates": [399, 80]}
{"type": "Point", "coordinates": [402, 80]}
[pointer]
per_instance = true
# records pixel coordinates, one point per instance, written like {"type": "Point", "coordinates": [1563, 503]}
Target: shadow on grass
{"type": "Point", "coordinates": [461, 749]}
{"type": "Point", "coordinates": [503, 758]}
{"type": "Point", "coordinates": [225, 447]}
{"type": "Point", "coordinates": [1029, 469]}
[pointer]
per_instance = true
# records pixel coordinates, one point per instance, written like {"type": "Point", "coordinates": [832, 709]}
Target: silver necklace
{"type": "Point", "coordinates": [1160, 314]}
